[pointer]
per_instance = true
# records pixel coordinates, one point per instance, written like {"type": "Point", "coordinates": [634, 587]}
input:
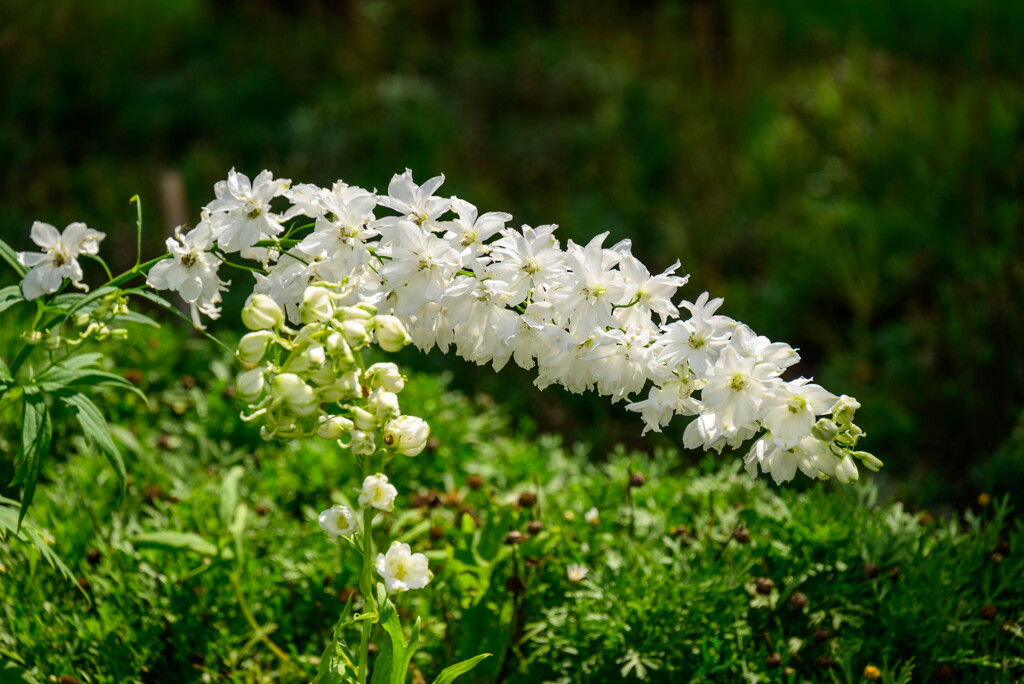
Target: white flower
{"type": "Point", "coordinates": [469, 232]}
{"type": "Point", "coordinates": [407, 435]}
{"type": "Point", "coordinates": [59, 258]}
{"type": "Point", "coordinates": [240, 216]}
{"type": "Point", "coordinates": [416, 202]}
{"type": "Point", "coordinates": [416, 266]}
{"type": "Point", "coordinates": [402, 569]}
{"type": "Point", "coordinates": [378, 492]}
{"type": "Point", "coordinates": [790, 409]}
{"type": "Point", "coordinates": [576, 572]}
{"type": "Point", "coordinates": [191, 272]}
{"type": "Point", "coordinates": [339, 521]}
{"type": "Point", "coordinates": [592, 516]}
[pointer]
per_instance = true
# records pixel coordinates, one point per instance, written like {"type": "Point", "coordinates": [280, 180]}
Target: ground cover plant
{"type": "Point", "coordinates": [334, 278]}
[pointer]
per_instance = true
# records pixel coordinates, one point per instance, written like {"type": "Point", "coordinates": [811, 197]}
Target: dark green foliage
{"type": "Point", "coordinates": [213, 514]}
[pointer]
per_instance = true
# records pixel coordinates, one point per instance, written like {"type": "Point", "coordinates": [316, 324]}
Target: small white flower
{"type": "Point", "coordinates": [240, 216]}
{"type": "Point", "coordinates": [402, 569]}
{"type": "Point", "coordinates": [191, 272]}
{"type": "Point", "coordinates": [378, 492]}
{"type": "Point", "coordinates": [576, 572]}
{"type": "Point", "coordinates": [592, 516]}
{"type": "Point", "coordinates": [339, 521]}
{"type": "Point", "coordinates": [59, 258]}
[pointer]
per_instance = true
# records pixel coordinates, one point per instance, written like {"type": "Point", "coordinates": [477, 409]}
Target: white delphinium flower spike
{"type": "Point", "coordinates": [59, 258]}
{"type": "Point", "coordinates": [378, 493]}
{"type": "Point", "coordinates": [790, 410]}
{"type": "Point", "coordinates": [339, 521]}
{"type": "Point", "coordinates": [191, 272]}
{"type": "Point", "coordinates": [402, 569]}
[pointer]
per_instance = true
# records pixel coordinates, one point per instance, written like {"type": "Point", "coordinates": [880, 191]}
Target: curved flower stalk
{"type": "Point", "coordinates": [586, 317]}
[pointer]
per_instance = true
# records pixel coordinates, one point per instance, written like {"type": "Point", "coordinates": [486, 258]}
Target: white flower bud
{"type": "Point", "coordinates": [843, 410]}
{"type": "Point", "coordinates": [384, 405]}
{"type": "Point", "coordinates": [339, 521]}
{"type": "Point", "coordinates": [262, 313]}
{"type": "Point", "coordinates": [339, 387]}
{"type": "Point", "coordinates": [363, 443]}
{"type": "Point", "coordinates": [846, 471]}
{"type": "Point", "coordinates": [364, 420]}
{"type": "Point", "coordinates": [316, 305]}
{"type": "Point", "coordinates": [356, 334]}
{"type": "Point", "coordinates": [870, 461]}
{"type": "Point", "coordinates": [253, 346]}
{"type": "Point", "coordinates": [378, 493]}
{"type": "Point", "coordinates": [296, 394]}
{"type": "Point", "coordinates": [334, 427]}
{"type": "Point", "coordinates": [367, 307]}
{"type": "Point", "coordinates": [825, 430]}
{"type": "Point", "coordinates": [249, 385]}
{"type": "Point", "coordinates": [406, 434]}
{"type": "Point", "coordinates": [385, 376]}
{"type": "Point", "coordinates": [391, 333]}
{"type": "Point", "coordinates": [339, 350]}
{"type": "Point", "coordinates": [352, 313]}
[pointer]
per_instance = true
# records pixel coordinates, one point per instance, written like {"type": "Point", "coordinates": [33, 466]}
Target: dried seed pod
{"type": "Point", "coordinates": [637, 479]}
{"type": "Point", "coordinates": [535, 527]}
{"type": "Point", "coordinates": [798, 600]}
{"type": "Point", "coordinates": [988, 612]}
{"type": "Point", "coordinates": [773, 661]}
{"type": "Point", "coordinates": [870, 570]}
{"type": "Point", "coordinates": [514, 538]}
{"type": "Point", "coordinates": [527, 499]}
{"type": "Point", "coordinates": [474, 481]}
{"type": "Point", "coordinates": [741, 534]}
{"type": "Point", "coordinates": [822, 634]}
{"type": "Point", "coordinates": [765, 585]}
{"type": "Point", "coordinates": [93, 556]}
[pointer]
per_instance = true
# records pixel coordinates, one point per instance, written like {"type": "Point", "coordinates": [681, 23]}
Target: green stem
{"type": "Point", "coordinates": [366, 583]}
{"type": "Point", "coordinates": [251, 619]}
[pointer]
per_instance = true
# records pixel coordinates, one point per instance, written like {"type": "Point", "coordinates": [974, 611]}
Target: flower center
{"type": "Point", "coordinates": [738, 383]}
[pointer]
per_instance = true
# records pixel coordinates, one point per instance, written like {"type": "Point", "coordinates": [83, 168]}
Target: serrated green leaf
{"type": "Point", "coordinates": [30, 533]}
{"type": "Point", "coordinates": [11, 257]}
{"type": "Point", "coordinates": [94, 425]}
{"type": "Point", "coordinates": [36, 432]}
{"type": "Point", "coordinates": [229, 494]}
{"type": "Point", "coordinates": [9, 296]}
{"type": "Point", "coordinates": [450, 673]}
{"type": "Point", "coordinates": [175, 541]}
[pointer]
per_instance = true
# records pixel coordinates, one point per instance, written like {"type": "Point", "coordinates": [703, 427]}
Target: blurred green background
{"type": "Point", "coordinates": [848, 175]}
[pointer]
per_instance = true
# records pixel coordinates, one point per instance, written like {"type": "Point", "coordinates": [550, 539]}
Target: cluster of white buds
{"type": "Point", "coordinates": [292, 376]}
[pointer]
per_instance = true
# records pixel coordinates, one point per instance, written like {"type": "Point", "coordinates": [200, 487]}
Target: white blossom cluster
{"type": "Point", "coordinates": [586, 317]}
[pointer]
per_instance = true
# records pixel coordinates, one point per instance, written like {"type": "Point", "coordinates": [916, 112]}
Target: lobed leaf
{"type": "Point", "coordinates": [94, 425]}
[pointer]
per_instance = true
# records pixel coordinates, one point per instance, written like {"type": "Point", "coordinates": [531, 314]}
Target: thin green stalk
{"type": "Point", "coordinates": [251, 619]}
{"type": "Point", "coordinates": [366, 581]}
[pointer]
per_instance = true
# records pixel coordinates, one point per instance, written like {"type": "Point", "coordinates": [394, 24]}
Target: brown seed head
{"type": "Point", "coordinates": [535, 527]}
{"type": "Point", "coordinates": [988, 612]}
{"type": "Point", "coordinates": [870, 570]}
{"type": "Point", "coordinates": [773, 661]}
{"type": "Point", "coordinates": [93, 556]}
{"type": "Point", "coordinates": [527, 499]}
{"type": "Point", "coordinates": [822, 634]}
{"type": "Point", "coordinates": [826, 662]}
{"type": "Point", "coordinates": [514, 538]}
{"type": "Point", "coordinates": [944, 673]}
{"type": "Point", "coordinates": [68, 679]}
{"type": "Point", "coordinates": [637, 479]}
{"type": "Point", "coordinates": [765, 585]}
{"type": "Point", "coordinates": [515, 585]}
{"type": "Point", "coordinates": [436, 532]}
{"type": "Point", "coordinates": [741, 534]}
{"type": "Point", "coordinates": [474, 481]}
{"type": "Point", "coordinates": [798, 600]}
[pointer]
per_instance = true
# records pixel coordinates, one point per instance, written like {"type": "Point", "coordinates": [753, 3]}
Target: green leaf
{"type": "Point", "coordinates": [229, 494]}
{"type": "Point", "coordinates": [175, 541]}
{"type": "Point", "coordinates": [30, 533]}
{"type": "Point", "coordinates": [94, 425]}
{"type": "Point", "coordinates": [11, 257]}
{"type": "Point", "coordinates": [12, 674]}
{"type": "Point", "coordinates": [337, 666]}
{"type": "Point", "coordinates": [450, 673]}
{"type": "Point", "coordinates": [392, 665]}
{"type": "Point", "coordinates": [36, 432]}
{"type": "Point", "coordinates": [135, 317]}
{"type": "Point", "coordinates": [9, 296]}
{"type": "Point", "coordinates": [5, 373]}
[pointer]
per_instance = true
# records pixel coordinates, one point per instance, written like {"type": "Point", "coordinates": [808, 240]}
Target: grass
{"type": "Point", "coordinates": [214, 569]}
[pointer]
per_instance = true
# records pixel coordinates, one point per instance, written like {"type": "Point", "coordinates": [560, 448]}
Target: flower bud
{"type": "Point", "coordinates": [339, 350]}
{"type": "Point", "coordinates": [363, 443]}
{"type": "Point", "coordinates": [249, 385]}
{"type": "Point", "coordinates": [253, 346]}
{"type": "Point", "coordinates": [356, 334]}
{"type": "Point", "coordinates": [384, 405]}
{"type": "Point", "coordinates": [846, 471]}
{"type": "Point", "coordinates": [870, 461]}
{"type": "Point", "coordinates": [351, 313]}
{"type": "Point", "coordinates": [296, 394]}
{"type": "Point", "coordinates": [363, 419]}
{"type": "Point", "coordinates": [262, 313]}
{"type": "Point", "coordinates": [407, 435]}
{"type": "Point", "coordinates": [843, 410]}
{"type": "Point", "coordinates": [385, 376]}
{"type": "Point", "coordinates": [367, 307]}
{"type": "Point", "coordinates": [32, 337]}
{"type": "Point", "coordinates": [391, 333]}
{"type": "Point", "coordinates": [825, 430]}
{"type": "Point", "coordinates": [316, 305]}
{"type": "Point", "coordinates": [334, 427]}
